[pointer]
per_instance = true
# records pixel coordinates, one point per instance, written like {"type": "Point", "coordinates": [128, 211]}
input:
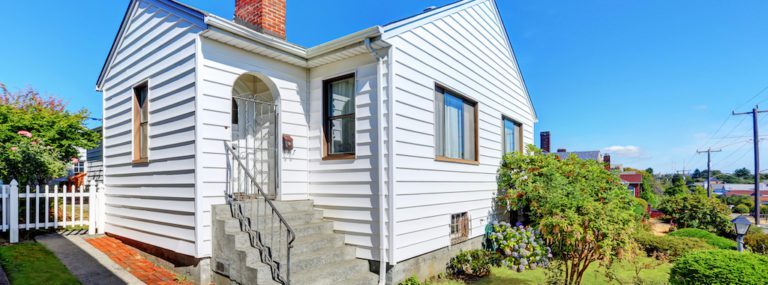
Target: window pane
{"type": "Point", "coordinates": [342, 99]}
{"type": "Point", "coordinates": [509, 136]}
{"type": "Point", "coordinates": [342, 135]}
{"type": "Point", "coordinates": [144, 137]}
{"type": "Point", "coordinates": [142, 98]}
{"type": "Point", "coordinates": [453, 129]}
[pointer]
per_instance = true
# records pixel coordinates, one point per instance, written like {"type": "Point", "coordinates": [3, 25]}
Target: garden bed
{"type": "Point", "coordinates": [625, 272]}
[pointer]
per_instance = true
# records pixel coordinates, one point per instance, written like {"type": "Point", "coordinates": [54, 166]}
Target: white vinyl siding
{"type": "Point", "coordinates": [465, 49]}
{"type": "Point", "coordinates": [220, 66]}
{"type": "Point", "coordinates": [153, 203]}
{"type": "Point", "coordinates": [346, 189]}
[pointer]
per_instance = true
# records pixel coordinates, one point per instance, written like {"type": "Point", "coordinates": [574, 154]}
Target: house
{"type": "Point", "coordinates": [94, 164]}
{"type": "Point", "coordinates": [633, 181]}
{"type": "Point", "coordinates": [745, 190]}
{"type": "Point", "coordinates": [392, 135]}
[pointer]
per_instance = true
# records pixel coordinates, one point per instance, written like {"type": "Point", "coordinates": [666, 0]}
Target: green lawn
{"type": "Point", "coordinates": [31, 263]}
{"type": "Point", "coordinates": [594, 275]}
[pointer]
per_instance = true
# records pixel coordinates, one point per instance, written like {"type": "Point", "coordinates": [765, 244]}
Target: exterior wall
{"type": "Point", "coordinates": [153, 203]}
{"type": "Point", "coordinates": [346, 190]}
{"type": "Point", "coordinates": [219, 66]}
{"type": "Point", "coordinates": [466, 50]}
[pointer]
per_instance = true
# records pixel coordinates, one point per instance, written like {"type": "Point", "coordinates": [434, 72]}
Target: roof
{"type": "Point", "coordinates": [586, 155]}
{"type": "Point", "coordinates": [634, 178]}
{"type": "Point", "coordinates": [743, 187]}
{"type": "Point", "coordinates": [353, 44]}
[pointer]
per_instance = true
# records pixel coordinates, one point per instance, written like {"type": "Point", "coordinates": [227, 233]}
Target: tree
{"type": "Point", "coordinates": [678, 186]}
{"type": "Point", "coordinates": [698, 211]}
{"type": "Point", "coordinates": [743, 173]}
{"type": "Point", "coordinates": [38, 136]}
{"type": "Point", "coordinates": [583, 211]}
{"type": "Point", "coordinates": [649, 170]}
{"type": "Point", "coordinates": [696, 174]}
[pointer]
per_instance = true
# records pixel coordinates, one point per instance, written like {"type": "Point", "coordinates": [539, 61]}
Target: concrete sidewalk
{"type": "Point", "coordinates": [87, 263]}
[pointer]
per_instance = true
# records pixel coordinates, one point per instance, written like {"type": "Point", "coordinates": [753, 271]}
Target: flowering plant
{"type": "Point", "coordinates": [519, 247]}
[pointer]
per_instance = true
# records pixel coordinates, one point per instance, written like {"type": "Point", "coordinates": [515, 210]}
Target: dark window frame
{"type": "Point", "coordinates": [329, 118]}
{"type": "Point", "coordinates": [439, 157]}
{"type": "Point", "coordinates": [140, 124]}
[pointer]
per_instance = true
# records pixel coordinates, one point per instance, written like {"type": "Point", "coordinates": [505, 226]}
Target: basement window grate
{"type": "Point", "coordinates": [459, 227]}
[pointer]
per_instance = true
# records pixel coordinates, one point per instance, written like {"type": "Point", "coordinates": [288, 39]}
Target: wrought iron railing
{"type": "Point", "coordinates": [267, 229]}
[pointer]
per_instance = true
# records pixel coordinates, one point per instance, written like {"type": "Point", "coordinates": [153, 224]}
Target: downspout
{"type": "Point", "coordinates": [380, 159]}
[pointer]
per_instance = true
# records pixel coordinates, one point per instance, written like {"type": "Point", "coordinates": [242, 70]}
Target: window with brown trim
{"type": "Point", "coordinates": [455, 127]}
{"type": "Point", "coordinates": [339, 117]}
{"type": "Point", "coordinates": [459, 227]}
{"type": "Point", "coordinates": [513, 136]}
{"type": "Point", "coordinates": [141, 123]}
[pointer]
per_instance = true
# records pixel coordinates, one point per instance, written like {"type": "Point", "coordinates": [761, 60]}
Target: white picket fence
{"type": "Point", "coordinates": [41, 205]}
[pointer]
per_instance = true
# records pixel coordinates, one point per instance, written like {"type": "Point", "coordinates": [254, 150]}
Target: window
{"type": "Point", "coordinates": [459, 227]}
{"type": "Point", "coordinates": [141, 123]}
{"type": "Point", "coordinates": [513, 136]}
{"type": "Point", "coordinates": [455, 127]}
{"type": "Point", "coordinates": [339, 117]}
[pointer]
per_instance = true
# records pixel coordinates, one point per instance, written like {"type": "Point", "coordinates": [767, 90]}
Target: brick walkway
{"type": "Point", "coordinates": [133, 262]}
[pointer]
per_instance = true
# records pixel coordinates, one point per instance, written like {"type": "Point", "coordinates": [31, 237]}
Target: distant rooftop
{"type": "Point", "coordinates": [586, 155]}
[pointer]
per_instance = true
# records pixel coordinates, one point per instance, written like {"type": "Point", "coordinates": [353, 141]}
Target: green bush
{"type": "Point", "coordinates": [741, 209]}
{"type": "Point", "coordinates": [697, 211]}
{"type": "Point", "coordinates": [413, 280]}
{"type": "Point", "coordinates": [710, 238]}
{"type": "Point", "coordinates": [720, 267]}
{"type": "Point", "coordinates": [757, 242]}
{"type": "Point", "coordinates": [670, 246]}
{"type": "Point", "coordinates": [471, 264]}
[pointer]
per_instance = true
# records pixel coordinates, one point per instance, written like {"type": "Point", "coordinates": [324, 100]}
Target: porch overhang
{"type": "Point", "coordinates": [236, 35]}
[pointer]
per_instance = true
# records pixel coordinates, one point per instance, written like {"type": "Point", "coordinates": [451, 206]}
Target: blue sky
{"type": "Point", "coordinates": [649, 81]}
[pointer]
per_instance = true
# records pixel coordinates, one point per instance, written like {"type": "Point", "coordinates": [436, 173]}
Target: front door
{"type": "Point", "coordinates": [254, 138]}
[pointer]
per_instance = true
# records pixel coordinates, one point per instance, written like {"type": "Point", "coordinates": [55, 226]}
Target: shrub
{"type": "Point", "coordinates": [697, 211]}
{"type": "Point", "coordinates": [640, 208]}
{"type": "Point", "coordinates": [413, 280]}
{"type": "Point", "coordinates": [741, 209]}
{"type": "Point", "coordinates": [720, 267]}
{"type": "Point", "coordinates": [710, 238]}
{"type": "Point", "coordinates": [581, 210]}
{"type": "Point", "coordinates": [670, 246]}
{"type": "Point", "coordinates": [757, 242]}
{"type": "Point", "coordinates": [519, 247]}
{"type": "Point", "coordinates": [470, 264]}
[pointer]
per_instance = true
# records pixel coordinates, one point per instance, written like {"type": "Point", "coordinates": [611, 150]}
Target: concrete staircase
{"type": "Point", "coordinates": [319, 256]}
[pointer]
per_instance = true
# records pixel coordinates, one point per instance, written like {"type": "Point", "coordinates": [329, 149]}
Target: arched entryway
{"type": "Point", "coordinates": [254, 129]}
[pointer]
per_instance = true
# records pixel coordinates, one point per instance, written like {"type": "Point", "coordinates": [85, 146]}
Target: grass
{"type": "Point", "coordinates": [31, 263]}
{"type": "Point", "coordinates": [594, 275]}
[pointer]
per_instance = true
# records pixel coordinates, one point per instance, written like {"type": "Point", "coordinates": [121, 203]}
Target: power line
{"type": "Point", "coordinates": [756, 141]}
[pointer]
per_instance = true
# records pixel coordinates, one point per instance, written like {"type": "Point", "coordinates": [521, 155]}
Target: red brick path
{"type": "Point", "coordinates": [132, 261]}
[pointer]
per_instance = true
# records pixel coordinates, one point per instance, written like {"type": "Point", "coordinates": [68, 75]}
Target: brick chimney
{"type": "Point", "coordinates": [544, 141]}
{"type": "Point", "coordinates": [607, 161]}
{"type": "Point", "coordinates": [264, 16]}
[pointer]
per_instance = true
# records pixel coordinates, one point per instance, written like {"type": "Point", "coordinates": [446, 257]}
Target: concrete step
{"type": "Point", "coordinates": [284, 206]}
{"type": "Point", "coordinates": [301, 231]}
{"type": "Point", "coordinates": [333, 273]}
{"type": "Point", "coordinates": [320, 258]}
{"type": "Point", "coordinates": [316, 242]}
{"type": "Point", "coordinates": [292, 217]}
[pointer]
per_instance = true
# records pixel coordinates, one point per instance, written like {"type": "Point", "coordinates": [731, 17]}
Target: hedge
{"type": "Point", "coordinates": [710, 238]}
{"type": "Point", "coordinates": [757, 242]}
{"type": "Point", "coordinates": [671, 246]}
{"type": "Point", "coordinates": [720, 267]}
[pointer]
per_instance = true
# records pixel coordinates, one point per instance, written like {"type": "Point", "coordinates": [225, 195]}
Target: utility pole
{"type": "Point", "coordinates": [756, 136]}
{"type": "Point", "coordinates": [709, 152]}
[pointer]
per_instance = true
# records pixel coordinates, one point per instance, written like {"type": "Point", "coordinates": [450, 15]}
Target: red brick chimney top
{"type": "Point", "coordinates": [264, 16]}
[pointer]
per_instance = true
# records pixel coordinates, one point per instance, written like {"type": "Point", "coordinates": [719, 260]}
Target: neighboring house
{"type": "Point", "coordinates": [395, 132]}
{"type": "Point", "coordinates": [745, 190]}
{"type": "Point", "coordinates": [94, 164]}
{"type": "Point", "coordinates": [633, 181]}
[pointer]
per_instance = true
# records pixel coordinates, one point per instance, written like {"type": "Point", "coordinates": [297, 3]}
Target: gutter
{"type": "Point", "coordinates": [380, 161]}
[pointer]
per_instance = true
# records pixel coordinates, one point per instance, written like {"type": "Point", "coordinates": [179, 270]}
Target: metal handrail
{"type": "Point", "coordinates": [282, 220]}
